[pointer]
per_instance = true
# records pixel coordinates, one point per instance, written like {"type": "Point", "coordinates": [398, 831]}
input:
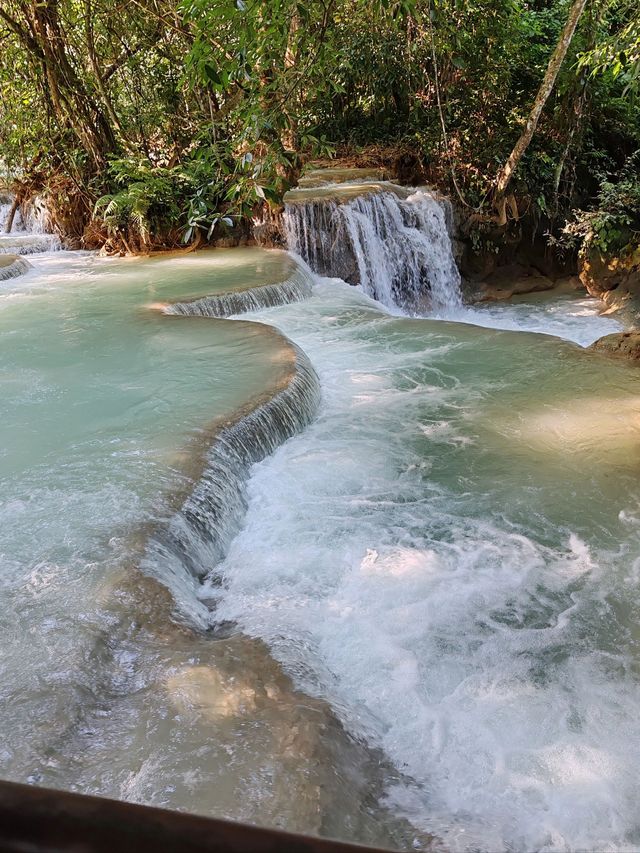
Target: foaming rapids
{"type": "Point", "coordinates": [460, 588]}
{"type": "Point", "coordinates": [294, 289]}
{"type": "Point", "coordinates": [394, 243]}
{"type": "Point", "coordinates": [198, 535]}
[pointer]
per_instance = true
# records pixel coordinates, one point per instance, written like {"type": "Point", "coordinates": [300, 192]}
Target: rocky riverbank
{"type": "Point", "coordinates": [615, 280]}
{"type": "Point", "coordinates": [620, 345]}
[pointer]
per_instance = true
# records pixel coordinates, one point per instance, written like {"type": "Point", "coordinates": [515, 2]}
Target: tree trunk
{"type": "Point", "coordinates": [40, 32]}
{"type": "Point", "coordinates": [290, 134]}
{"type": "Point", "coordinates": [506, 173]}
{"type": "Point", "coordinates": [97, 73]}
{"type": "Point", "coordinates": [12, 214]}
{"type": "Point", "coordinates": [574, 126]}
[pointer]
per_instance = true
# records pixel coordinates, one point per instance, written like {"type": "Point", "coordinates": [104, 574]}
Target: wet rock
{"type": "Point", "coordinates": [7, 260]}
{"type": "Point", "coordinates": [614, 280]}
{"type": "Point", "coordinates": [512, 280]}
{"type": "Point", "coordinates": [524, 243]}
{"type": "Point", "coordinates": [619, 345]}
{"type": "Point", "coordinates": [408, 168]}
{"type": "Point", "coordinates": [270, 235]}
{"type": "Point", "coordinates": [321, 177]}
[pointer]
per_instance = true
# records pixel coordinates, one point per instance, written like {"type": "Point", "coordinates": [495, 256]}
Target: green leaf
{"type": "Point", "coordinates": [211, 73]}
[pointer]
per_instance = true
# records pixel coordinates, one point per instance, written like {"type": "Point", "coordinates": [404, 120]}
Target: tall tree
{"type": "Point", "coordinates": [38, 27]}
{"type": "Point", "coordinates": [546, 87]}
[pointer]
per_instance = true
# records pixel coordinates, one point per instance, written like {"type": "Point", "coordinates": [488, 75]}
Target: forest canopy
{"type": "Point", "coordinates": [168, 121]}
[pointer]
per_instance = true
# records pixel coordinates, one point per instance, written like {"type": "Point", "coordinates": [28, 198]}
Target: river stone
{"type": "Point", "coordinates": [619, 345]}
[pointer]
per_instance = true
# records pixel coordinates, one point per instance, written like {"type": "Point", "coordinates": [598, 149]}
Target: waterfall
{"type": "Point", "coordinates": [294, 289]}
{"type": "Point", "coordinates": [23, 243]}
{"type": "Point", "coordinates": [31, 231]}
{"type": "Point", "coordinates": [198, 535]}
{"type": "Point", "coordinates": [36, 217]}
{"type": "Point", "coordinates": [395, 243]}
{"type": "Point", "coordinates": [5, 210]}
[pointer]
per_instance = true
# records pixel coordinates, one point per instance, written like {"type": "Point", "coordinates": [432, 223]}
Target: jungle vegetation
{"type": "Point", "coordinates": [149, 123]}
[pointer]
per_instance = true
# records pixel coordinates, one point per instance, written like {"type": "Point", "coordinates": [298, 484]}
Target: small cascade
{"type": "Point", "coordinates": [23, 243]}
{"type": "Point", "coordinates": [31, 230]}
{"type": "Point", "coordinates": [36, 217]}
{"type": "Point", "coordinates": [394, 242]}
{"type": "Point", "coordinates": [198, 535]}
{"type": "Point", "coordinates": [15, 267]}
{"type": "Point", "coordinates": [294, 289]}
{"type": "Point", "coordinates": [5, 211]}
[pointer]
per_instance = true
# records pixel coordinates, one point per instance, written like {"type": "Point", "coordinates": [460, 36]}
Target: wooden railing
{"type": "Point", "coordinates": [41, 820]}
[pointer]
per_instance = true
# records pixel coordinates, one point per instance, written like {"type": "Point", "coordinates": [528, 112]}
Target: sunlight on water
{"type": "Point", "coordinates": [572, 317]}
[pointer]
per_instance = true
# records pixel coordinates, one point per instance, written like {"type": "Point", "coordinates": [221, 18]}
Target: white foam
{"type": "Point", "coordinates": [576, 319]}
{"type": "Point", "coordinates": [404, 563]}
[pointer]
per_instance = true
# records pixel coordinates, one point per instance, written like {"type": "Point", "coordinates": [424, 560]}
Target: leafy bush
{"type": "Point", "coordinates": [207, 192]}
{"type": "Point", "coordinates": [148, 200]}
{"type": "Point", "coordinates": [613, 226]}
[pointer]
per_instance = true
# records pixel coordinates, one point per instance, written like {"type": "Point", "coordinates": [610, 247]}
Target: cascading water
{"type": "Point", "coordinates": [31, 231]}
{"type": "Point", "coordinates": [5, 210]}
{"type": "Point", "coordinates": [116, 698]}
{"type": "Point", "coordinates": [198, 536]}
{"type": "Point", "coordinates": [14, 267]}
{"type": "Point", "coordinates": [448, 553]}
{"type": "Point", "coordinates": [295, 288]}
{"type": "Point", "coordinates": [394, 243]}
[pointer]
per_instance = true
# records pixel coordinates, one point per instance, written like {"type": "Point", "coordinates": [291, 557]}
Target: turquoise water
{"type": "Point", "coordinates": [427, 623]}
{"type": "Point", "coordinates": [105, 407]}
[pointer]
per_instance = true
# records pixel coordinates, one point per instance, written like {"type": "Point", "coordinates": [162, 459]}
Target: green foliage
{"type": "Point", "coordinates": [205, 195]}
{"type": "Point", "coordinates": [613, 226]}
{"type": "Point", "coordinates": [186, 115]}
{"type": "Point", "coordinates": [617, 55]}
{"type": "Point", "coordinates": [145, 201]}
